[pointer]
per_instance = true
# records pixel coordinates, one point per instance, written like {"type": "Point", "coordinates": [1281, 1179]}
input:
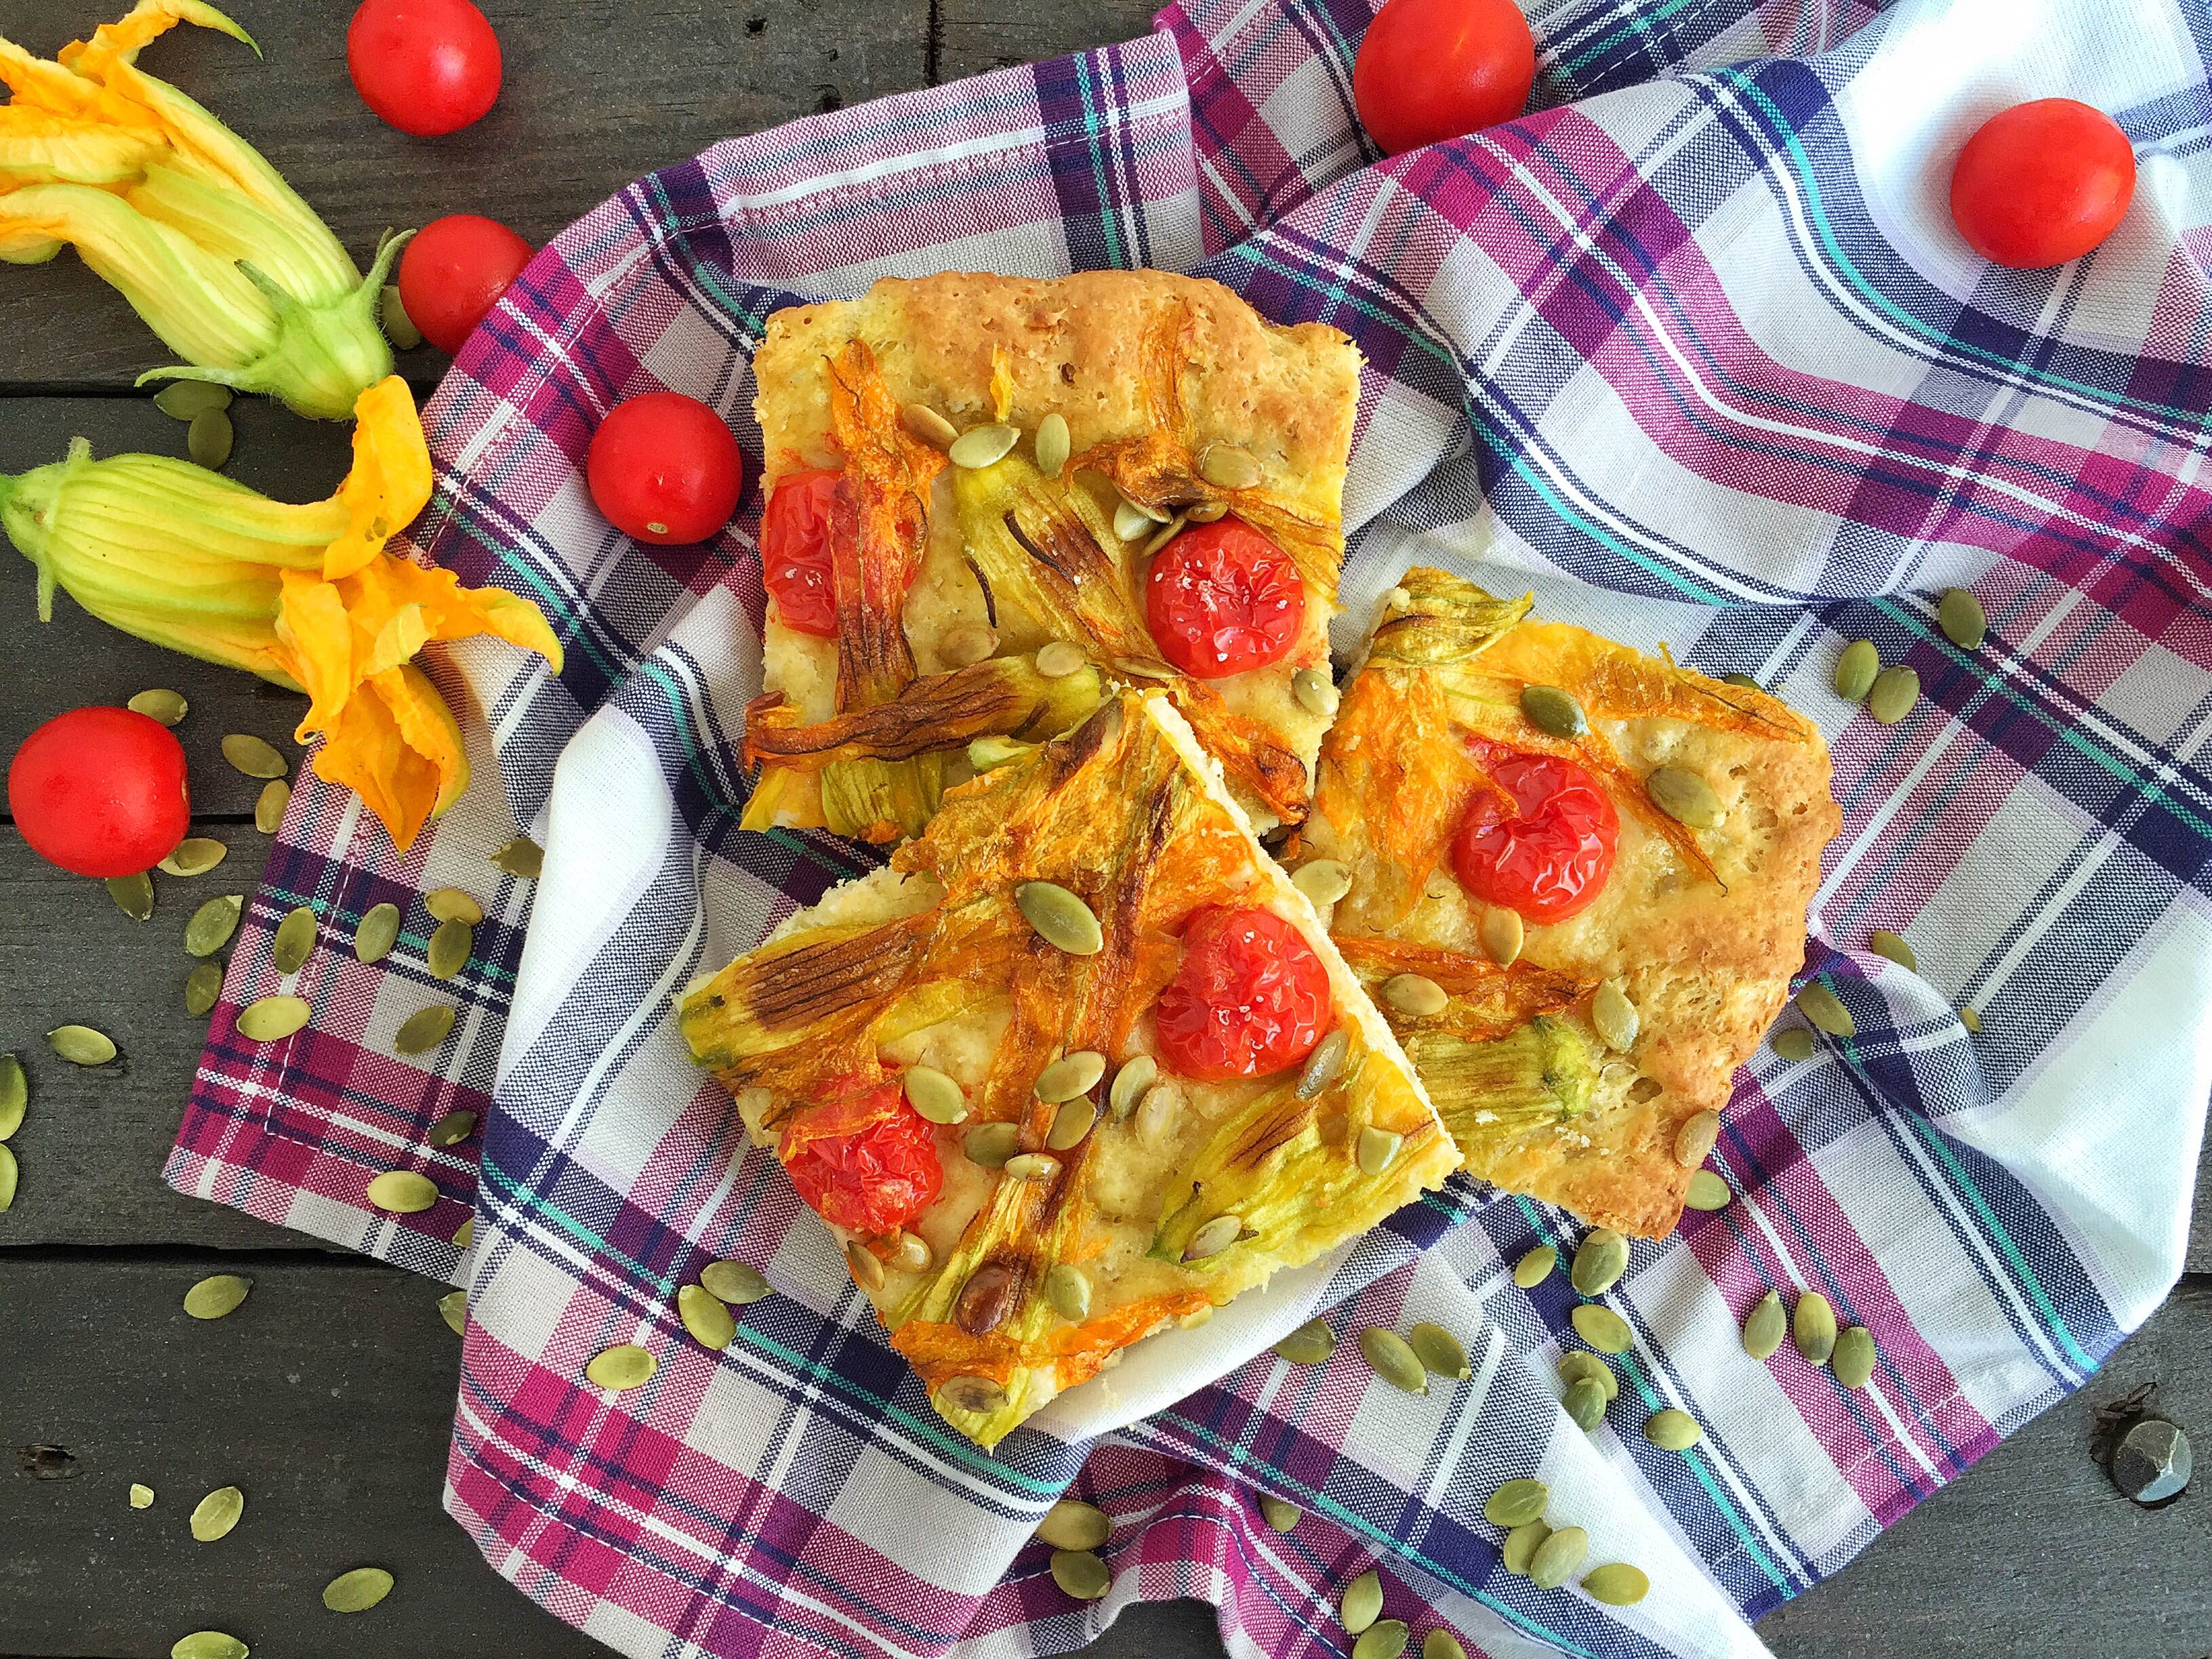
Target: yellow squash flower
{"type": "Point", "coordinates": [205, 238]}
{"type": "Point", "coordinates": [305, 596]}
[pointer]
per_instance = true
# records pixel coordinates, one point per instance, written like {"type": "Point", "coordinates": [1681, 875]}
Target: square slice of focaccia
{"type": "Point", "coordinates": [1587, 1014]}
{"type": "Point", "coordinates": [1067, 1185]}
{"type": "Point", "coordinates": [914, 578]}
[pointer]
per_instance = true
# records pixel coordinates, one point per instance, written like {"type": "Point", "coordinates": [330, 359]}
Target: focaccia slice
{"type": "Point", "coordinates": [1127, 1209]}
{"type": "Point", "coordinates": [1700, 925]}
{"type": "Point", "coordinates": [1177, 396]}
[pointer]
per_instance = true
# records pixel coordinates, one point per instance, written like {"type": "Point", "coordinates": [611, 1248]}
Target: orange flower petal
{"type": "Point", "coordinates": [400, 750]}
{"type": "Point", "coordinates": [390, 482]}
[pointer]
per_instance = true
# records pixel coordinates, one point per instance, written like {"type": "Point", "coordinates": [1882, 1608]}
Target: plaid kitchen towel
{"type": "Point", "coordinates": [1694, 353]}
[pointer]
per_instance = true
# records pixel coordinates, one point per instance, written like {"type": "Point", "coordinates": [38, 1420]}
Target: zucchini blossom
{"type": "Point", "coordinates": [304, 596]}
{"type": "Point", "coordinates": [204, 239]}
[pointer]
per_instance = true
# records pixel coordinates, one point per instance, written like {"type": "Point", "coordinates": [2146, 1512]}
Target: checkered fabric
{"type": "Point", "coordinates": [1693, 352]}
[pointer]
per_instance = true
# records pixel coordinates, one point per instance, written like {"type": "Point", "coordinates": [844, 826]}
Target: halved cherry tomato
{"type": "Point", "coordinates": [868, 1164]}
{"type": "Point", "coordinates": [1251, 997]}
{"type": "Point", "coordinates": [100, 792]}
{"type": "Point", "coordinates": [1543, 847]}
{"type": "Point", "coordinates": [428, 67]}
{"type": "Point", "coordinates": [2042, 183]}
{"type": "Point", "coordinates": [1222, 597]}
{"type": "Point", "coordinates": [806, 513]}
{"type": "Point", "coordinates": [666, 469]}
{"type": "Point", "coordinates": [1432, 70]}
{"type": "Point", "coordinates": [454, 272]}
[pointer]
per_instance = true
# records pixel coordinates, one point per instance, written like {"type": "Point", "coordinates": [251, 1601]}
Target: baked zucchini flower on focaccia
{"type": "Point", "coordinates": [1576, 876]}
{"type": "Point", "coordinates": [1080, 1064]}
{"type": "Point", "coordinates": [993, 500]}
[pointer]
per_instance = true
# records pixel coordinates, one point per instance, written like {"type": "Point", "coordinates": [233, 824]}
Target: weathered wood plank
{"type": "Point", "coordinates": [977, 35]}
{"type": "Point", "coordinates": [596, 92]}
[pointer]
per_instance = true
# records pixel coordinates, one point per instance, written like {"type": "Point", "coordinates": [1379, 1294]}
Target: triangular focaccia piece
{"type": "Point", "coordinates": [1699, 926]}
{"type": "Point", "coordinates": [1018, 1281]}
{"type": "Point", "coordinates": [951, 577]}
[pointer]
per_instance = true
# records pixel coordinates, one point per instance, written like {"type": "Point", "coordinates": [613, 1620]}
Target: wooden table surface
{"type": "Point", "coordinates": [328, 1398]}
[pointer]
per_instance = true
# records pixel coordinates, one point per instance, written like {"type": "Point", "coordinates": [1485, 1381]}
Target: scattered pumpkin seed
{"type": "Point", "coordinates": [403, 1192]}
{"type": "Point", "coordinates": [521, 857]}
{"type": "Point", "coordinates": [1883, 942]}
{"type": "Point", "coordinates": [1070, 1124]}
{"type": "Point", "coordinates": [1316, 693]}
{"type": "Point", "coordinates": [1033, 1166]}
{"type": "Point", "coordinates": [1960, 616]}
{"type": "Point", "coordinates": [81, 1045]}
{"type": "Point", "coordinates": [1813, 1327]}
{"type": "Point", "coordinates": [272, 1019]}
{"type": "Point", "coordinates": [203, 988]}
{"type": "Point", "coordinates": [1503, 934]}
{"type": "Point", "coordinates": [1579, 1364]}
{"type": "Point", "coordinates": [214, 1516]}
{"type": "Point", "coordinates": [1215, 1237]}
{"type": "Point", "coordinates": [927, 424]}
{"type": "Point", "coordinates": [1852, 1362]}
{"type": "Point", "coordinates": [1707, 1191]}
{"type": "Point", "coordinates": [1311, 1343]}
{"type": "Point", "coordinates": [935, 1096]}
{"type": "Point", "coordinates": [452, 904]}
{"type": "Point", "coordinates": [1361, 1604]}
{"type": "Point", "coordinates": [378, 932]}
{"type": "Point", "coordinates": [1414, 995]}
{"type": "Point", "coordinates": [1616, 1584]}
{"type": "Point", "coordinates": [450, 948]}
{"type": "Point", "coordinates": [1765, 1327]}
{"type": "Point", "coordinates": [1535, 1265]}
{"type": "Point", "coordinates": [186, 400]}
{"type": "Point", "coordinates": [1052, 445]}
{"type": "Point", "coordinates": [15, 1095]}
{"type": "Point", "coordinates": [1672, 1431]}
{"type": "Point", "coordinates": [1061, 918]}
{"type": "Point", "coordinates": [1896, 692]}
{"type": "Point", "coordinates": [1856, 669]}
{"type": "Point", "coordinates": [426, 1029]}
{"type": "Point", "coordinates": [133, 895]}
{"type": "Point", "coordinates": [1614, 1017]}
{"type": "Point", "coordinates": [1131, 522]}
{"type": "Point", "coordinates": [398, 327]}
{"type": "Point", "coordinates": [706, 1316]}
{"type": "Point", "coordinates": [357, 1591]}
{"type": "Point", "coordinates": [1391, 1358]}
{"type": "Point", "coordinates": [1795, 1042]}
{"type": "Point", "coordinates": [1280, 1513]}
{"type": "Point", "coordinates": [1694, 1141]}
{"type": "Point", "coordinates": [1385, 1638]}
{"type": "Point", "coordinates": [269, 806]}
{"type": "Point", "coordinates": [1516, 1503]}
{"type": "Point", "coordinates": [990, 1145]}
{"type": "Point", "coordinates": [1972, 1019]}
{"type": "Point", "coordinates": [734, 1282]}
{"type": "Point", "coordinates": [208, 1644]}
{"type": "Point", "coordinates": [195, 855]}
{"type": "Point", "coordinates": [10, 1174]}
{"type": "Point", "coordinates": [1599, 1262]}
{"type": "Point", "coordinates": [208, 441]}
{"type": "Point", "coordinates": [867, 1267]}
{"type": "Point", "coordinates": [983, 446]}
{"type": "Point", "coordinates": [622, 1368]}
{"type": "Point", "coordinates": [1157, 1113]}
{"type": "Point", "coordinates": [453, 1129]}
{"type": "Point", "coordinates": [971, 1394]}
{"type": "Point", "coordinates": [1080, 1574]}
{"type": "Point", "coordinates": [257, 758]}
{"type": "Point", "coordinates": [1228, 467]}
{"type": "Point", "coordinates": [1137, 1074]}
{"type": "Point", "coordinates": [141, 1496]}
{"type": "Point", "coordinates": [910, 1254]}
{"type": "Point", "coordinates": [1441, 1643]}
{"type": "Point", "coordinates": [1072, 1524]}
{"type": "Point", "coordinates": [1743, 680]}
{"type": "Point", "coordinates": [214, 1297]}
{"type": "Point", "coordinates": [1378, 1148]}
{"type": "Point", "coordinates": [294, 941]}
{"type": "Point", "coordinates": [1824, 1009]}
{"type": "Point", "coordinates": [1068, 1291]}
{"type": "Point", "coordinates": [1071, 1075]}
{"type": "Point", "coordinates": [1584, 1402]}
{"type": "Point", "coordinates": [1553, 712]}
{"type": "Point", "coordinates": [1320, 1070]}
{"type": "Point", "coordinates": [1558, 1558]}
{"type": "Point", "coordinates": [1323, 882]}
{"type": "Point", "coordinates": [1602, 1328]}
{"type": "Point", "coordinates": [466, 1233]}
{"type": "Point", "coordinates": [1686, 797]}
{"type": "Point", "coordinates": [1057, 659]}
{"type": "Point", "coordinates": [1442, 1353]}
{"type": "Point", "coordinates": [453, 1309]}
{"type": "Point", "coordinates": [1522, 1543]}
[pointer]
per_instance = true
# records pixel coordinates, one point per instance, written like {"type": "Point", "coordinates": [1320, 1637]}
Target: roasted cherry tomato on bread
{"type": "Point", "coordinates": [868, 1164]}
{"type": "Point", "coordinates": [1222, 597]}
{"type": "Point", "coordinates": [806, 515]}
{"type": "Point", "coordinates": [1250, 998]}
{"type": "Point", "coordinates": [1538, 837]}
{"type": "Point", "coordinates": [2042, 183]}
{"type": "Point", "coordinates": [666, 469]}
{"type": "Point", "coordinates": [100, 792]}
{"type": "Point", "coordinates": [428, 67]}
{"type": "Point", "coordinates": [1432, 70]}
{"type": "Point", "coordinates": [454, 273]}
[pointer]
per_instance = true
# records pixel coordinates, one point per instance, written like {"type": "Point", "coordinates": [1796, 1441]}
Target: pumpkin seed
{"type": "Point", "coordinates": [1813, 1327]}
{"type": "Point", "coordinates": [1131, 522]}
{"type": "Point", "coordinates": [1058, 659]}
{"type": "Point", "coordinates": [452, 904]}
{"type": "Point", "coordinates": [453, 1129]}
{"type": "Point", "coordinates": [1215, 1237]}
{"type": "Point", "coordinates": [622, 1368]}
{"type": "Point", "coordinates": [1071, 1524]}
{"type": "Point", "coordinates": [1391, 1358]}
{"type": "Point", "coordinates": [81, 1045]}
{"type": "Point", "coordinates": [1157, 1113]}
{"type": "Point", "coordinates": [521, 857]}
{"type": "Point", "coordinates": [1061, 918]}
{"type": "Point", "coordinates": [208, 1644]}
{"type": "Point", "coordinates": [1320, 1070]}
{"type": "Point", "coordinates": [15, 1095]}
{"type": "Point", "coordinates": [1553, 712]}
{"type": "Point", "coordinates": [1503, 934]}
{"type": "Point", "coordinates": [425, 1028]}
{"type": "Point", "coordinates": [1853, 1361]}
{"type": "Point", "coordinates": [1080, 1574]}
{"type": "Point", "coordinates": [203, 988]}
{"type": "Point", "coordinates": [1166, 533]}
{"type": "Point", "coordinates": [1855, 670]}
{"type": "Point", "coordinates": [927, 424]}
{"type": "Point", "coordinates": [1316, 693]}
{"type": "Point", "coordinates": [186, 400]}
{"type": "Point", "coordinates": [1207, 512]}
{"type": "Point", "coordinates": [133, 895]}
{"type": "Point", "coordinates": [1516, 1503]}
{"type": "Point", "coordinates": [208, 441]}
{"type": "Point", "coordinates": [1068, 1291]}
{"type": "Point", "coordinates": [1707, 1191]}
{"type": "Point", "coordinates": [403, 1192]}
{"type": "Point", "coordinates": [983, 446]}
{"type": "Point", "coordinates": [193, 856]}
{"type": "Point", "coordinates": [1052, 445]}
{"type": "Point", "coordinates": [1414, 995]}
{"type": "Point", "coordinates": [214, 1516]}
{"type": "Point", "coordinates": [1227, 467]}
{"type": "Point", "coordinates": [1694, 1141]}
{"type": "Point", "coordinates": [1361, 1604]}
{"type": "Point", "coordinates": [450, 948]}
{"type": "Point", "coordinates": [1765, 1327]}
{"type": "Point", "coordinates": [1825, 1009]}
{"type": "Point", "coordinates": [1032, 1166]}
{"type": "Point", "coordinates": [466, 1233]}
{"type": "Point", "coordinates": [11, 1173]}
{"type": "Point", "coordinates": [968, 644]}
{"type": "Point", "coordinates": [272, 1019]}
{"type": "Point", "coordinates": [1580, 1364]}
{"type": "Point", "coordinates": [868, 1269]}
{"type": "Point", "coordinates": [1311, 1343]}
{"type": "Point", "coordinates": [1602, 1328]}
{"type": "Point", "coordinates": [398, 327]}
{"type": "Point", "coordinates": [1441, 1351]}
{"type": "Point", "coordinates": [1672, 1431]}
{"type": "Point", "coordinates": [1896, 692]}
{"type": "Point", "coordinates": [378, 932]}
{"type": "Point", "coordinates": [1616, 1584]}
{"type": "Point", "coordinates": [453, 1309]}
{"type": "Point", "coordinates": [214, 1297]}
{"type": "Point", "coordinates": [1071, 1075]}
{"type": "Point", "coordinates": [1614, 1017]}
{"type": "Point", "coordinates": [1795, 1042]}
{"type": "Point", "coordinates": [255, 757]}
{"type": "Point", "coordinates": [1883, 942]}
{"type": "Point", "coordinates": [936, 1096]}
{"type": "Point", "coordinates": [1535, 1266]}
{"type": "Point", "coordinates": [1960, 616]}
{"type": "Point", "coordinates": [1743, 680]}
{"type": "Point", "coordinates": [1521, 1544]}
{"type": "Point", "coordinates": [1323, 882]}
{"type": "Point", "coordinates": [1385, 1638]}
{"type": "Point", "coordinates": [706, 1318]}
{"type": "Point", "coordinates": [141, 1496]}
{"type": "Point", "coordinates": [1136, 1075]}
{"type": "Point", "coordinates": [357, 1591]}
{"type": "Point", "coordinates": [734, 1282]}
{"type": "Point", "coordinates": [990, 1145]}
{"type": "Point", "coordinates": [1599, 1262]}
{"type": "Point", "coordinates": [294, 941]}
{"type": "Point", "coordinates": [269, 806]}
{"type": "Point", "coordinates": [1279, 1513]}
{"type": "Point", "coordinates": [910, 1254]}
{"type": "Point", "coordinates": [1584, 1402]}
{"type": "Point", "coordinates": [1558, 1558]}
{"type": "Point", "coordinates": [971, 1394]}
{"type": "Point", "coordinates": [1070, 1124]}
{"type": "Point", "coordinates": [1686, 797]}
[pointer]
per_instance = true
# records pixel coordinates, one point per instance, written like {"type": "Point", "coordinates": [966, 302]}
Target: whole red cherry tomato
{"type": "Point", "coordinates": [664, 468]}
{"type": "Point", "coordinates": [1432, 69]}
{"type": "Point", "coordinates": [2042, 183]}
{"type": "Point", "coordinates": [1250, 998]}
{"type": "Point", "coordinates": [428, 67]}
{"type": "Point", "coordinates": [100, 792]}
{"type": "Point", "coordinates": [807, 512]}
{"type": "Point", "coordinates": [1222, 597]}
{"type": "Point", "coordinates": [454, 273]}
{"type": "Point", "coordinates": [868, 1164]}
{"type": "Point", "coordinates": [1546, 845]}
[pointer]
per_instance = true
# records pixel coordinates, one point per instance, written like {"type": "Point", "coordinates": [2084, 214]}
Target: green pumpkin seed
{"type": "Point", "coordinates": [1414, 995]}
{"type": "Point", "coordinates": [357, 1591]}
{"type": "Point", "coordinates": [255, 757]}
{"type": "Point", "coordinates": [1316, 693]}
{"type": "Point", "coordinates": [1207, 512]}
{"type": "Point", "coordinates": [208, 441]}
{"type": "Point", "coordinates": [1279, 1513]}
{"type": "Point", "coordinates": [450, 947]}
{"type": "Point", "coordinates": [1853, 1361]}
{"type": "Point", "coordinates": [1080, 1574]}
{"type": "Point", "coordinates": [1132, 522]}
{"type": "Point", "coordinates": [1323, 882]}
{"type": "Point", "coordinates": [193, 856]}
{"type": "Point", "coordinates": [1311, 1343]}
{"type": "Point", "coordinates": [81, 1045]}
{"type": "Point", "coordinates": [1036, 1166]}
{"type": "Point", "coordinates": [133, 895]}
{"type": "Point", "coordinates": [1824, 1009]}
{"type": "Point", "coordinates": [212, 925]}
{"type": "Point", "coordinates": [294, 941]}
{"type": "Point", "coordinates": [403, 1192]}
{"type": "Point", "coordinates": [1227, 467]}
{"type": "Point", "coordinates": [990, 1145]}
{"type": "Point", "coordinates": [988, 754]}
{"type": "Point", "coordinates": [706, 1318]}
{"type": "Point", "coordinates": [1599, 1262]}
{"type": "Point", "coordinates": [971, 1394]}
{"type": "Point", "coordinates": [1553, 712]}
{"type": "Point", "coordinates": [927, 424]}
{"type": "Point", "coordinates": [269, 807]}
{"type": "Point", "coordinates": [10, 1174]}
{"type": "Point", "coordinates": [1813, 1327]}
{"type": "Point", "coordinates": [1385, 1638]}
{"type": "Point", "coordinates": [203, 989]}
{"type": "Point", "coordinates": [1579, 1364]}
{"type": "Point", "coordinates": [1068, 1291]}
{"type": "Point", "coordinates": [1157, 1113]}
{"type": "Point", "coordinates": [735, 1283]}
{"type": "Point", "coordinates": [15, 1095]}
{"type": "Point", "coordinates": [983, 446]}
{"type": "Point", "coordinates": [453, 1129]}
{"type": "Point", "coordinates": [466, 1233]}
{"type": "Point", "coordinates": [186, 400]}
{"type": "Point", "coordinates": [1855, 670]}
{"type": "Point", "coordinates": [1441, 1643]}
{"type": "Point", "coordinates": [1616, 1584]}
{"type": "Point", "coordinates": [1883, 942]}
{"type": "Point", "coordinates": [1516, 1503]}
{"type": "Point", "coordinates": [213, 1297]}
{"type": "Point", "coordinates": [1743, 680]}
{"type": "Point", "coordinates": [141, 1496]}
{"type": "Point", "coordinates": [1321, 1067]}
{"type": "Point", "coordinates": [1614, 1017]}
{"type": "Point", "coordinates": [1896, 692]}
{"type": "Point", "coordinates": [1535, 1267]}
{"type": "Point", "coordinates": [1052, 445]}
{"type": "Point", "coordinates": [1378, 1149]}
{"type": "Point", "coordinates": [378, 932]}
{"type": "Point", "coordinates": [1071, 1524]}
{"type": "Point", "coordinates": [272, 1019]}
{"type": "Point", "coordinates": [1215, 1237]}
{"type": "Point", "coordinates": [1166, 533]}
{"type": "Point", "coordinates": [208, 1644]}
{"type": "Point", "coordinates": [398, 327]}
{"type": "Point", "coordinates": [1765, 1327]}
{"type": "Point", "coordinates": [622, 1368]}
{"type": "Point", "coordinates": [1061, 918]}
{"type": "Point", "coordinates": [936, 1096]}
{"type": "Point", "coordinates": [453, 1309]}
{"type": "Point", "coordinates": [1960, 616]}
{"type": "Point", "coordinates": [1795, 1043]}
{"type": "Point", "coordinates": [1972, 1019]}
{"type": "Point", "coordinates": [425, 1028]}
{"type": "Point", "coordinates": [1503, 934]}
{"type": "Point", "coordinates": [1069, 1125]}
{"type": "Point", "coordinates": [1058, 659]}
{"type": "Point", "coordinates": [1558, 1558]}
{"type": "Point", "coordinates": [1584, 1402]}
{"type": "Point", "coordinates": [868, 1267]}
{"type": "Point", "coordinates": [1694, 1141]}
{"type": "Point", "coordinates": [1361, 1604]}
{"type": "Point", "coordinates": [1672, 1431]}
{"type": "Point", "coordinates": [1707, 1191]}
{"type": "Point", "coordinates": [1391, 1358]}
{"type": "Point", "coordinates": [1136, 1075]}
{"type": "Point", "coordinates": [521, 857]}
{"type": "Point", "coordinates": [452, 904]}
{"type": "Point", "coordinates": [1442, 1353]}
{"type": "Point", "coordinates": [214, 1516]}
{"type": "Point", "coordinates": [1602, 1328]}
{"type": "Point", "coordinates": [1521, 1544]}
{"type": "Point", "coordinates": [1071, 1075]}
{"type": "Point", "coordinates": [1686, 797]}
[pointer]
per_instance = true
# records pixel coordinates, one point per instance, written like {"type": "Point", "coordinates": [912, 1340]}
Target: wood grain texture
{"type": "Point", "coordinates": [977, 35]}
